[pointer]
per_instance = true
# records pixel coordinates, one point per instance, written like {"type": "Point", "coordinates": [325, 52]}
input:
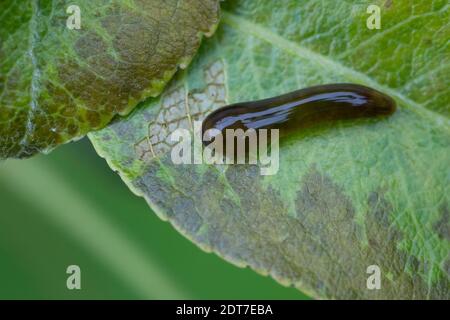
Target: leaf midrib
{"type": "Point", "coordinates": [245, 26]}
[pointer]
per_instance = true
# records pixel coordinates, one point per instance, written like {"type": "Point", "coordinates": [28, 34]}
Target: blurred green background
{"type": "Point", "coordinates": [70, 208]}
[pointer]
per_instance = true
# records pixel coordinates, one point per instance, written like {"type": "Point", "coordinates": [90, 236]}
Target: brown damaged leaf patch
{"type": "Point", "coordinates": [442, 226]}
{"type": "Point", "coordinates": [231, 214]}
{"type": "Point", "coordinates": [124, 55]}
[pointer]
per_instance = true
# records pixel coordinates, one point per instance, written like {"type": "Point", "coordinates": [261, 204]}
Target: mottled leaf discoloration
{"type": "Point", "coordinates": [179, 109]}
{"type": "Point", "coordinates": [321, 249]}
{"type": "Point", "coordinates": [58, 84]}
{"type": "Point", "coordinates": [442, 226]}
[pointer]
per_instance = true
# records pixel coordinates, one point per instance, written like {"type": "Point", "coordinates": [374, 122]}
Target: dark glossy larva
{"type": "Point", "coordinates": [302, 108]}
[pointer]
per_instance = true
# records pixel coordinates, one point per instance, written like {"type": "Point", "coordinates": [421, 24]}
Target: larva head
{"type": "Point", "coordinates": [376, 103]}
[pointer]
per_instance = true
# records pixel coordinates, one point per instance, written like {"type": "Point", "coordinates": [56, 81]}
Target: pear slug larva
{"type": "Point", "coordinates": [302, 108]}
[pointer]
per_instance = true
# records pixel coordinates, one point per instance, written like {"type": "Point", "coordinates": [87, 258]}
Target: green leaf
{"type": "Point", "coordinates": [348, 195]}
{"type": "Point", "coordinates": [58, 83]}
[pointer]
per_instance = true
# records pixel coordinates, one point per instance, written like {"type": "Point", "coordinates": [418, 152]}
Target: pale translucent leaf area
{"type": "Point", "coordinates": [348, 195]}
{"type": "Point", "coordinates": [69, 67]}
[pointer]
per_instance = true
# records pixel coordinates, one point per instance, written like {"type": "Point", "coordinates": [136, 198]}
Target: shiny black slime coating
{"type": "Point", "coordinates": [302, 108]}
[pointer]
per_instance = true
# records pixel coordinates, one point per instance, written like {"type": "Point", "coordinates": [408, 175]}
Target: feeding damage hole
{"type": "Point", "coordinates": [178, 108]}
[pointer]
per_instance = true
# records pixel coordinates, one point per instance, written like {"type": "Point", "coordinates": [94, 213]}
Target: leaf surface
{"type": "Point", "coordinates": [348, 195]}
{"type": "Point", "coordinates": [57, 83]}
